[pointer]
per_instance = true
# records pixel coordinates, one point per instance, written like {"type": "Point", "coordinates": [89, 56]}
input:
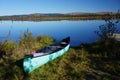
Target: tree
{"type": "Point", "coordinates": [107, 30]}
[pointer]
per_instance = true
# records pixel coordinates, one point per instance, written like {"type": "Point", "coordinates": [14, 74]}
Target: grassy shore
{"type": "Point", "coordinates": [86, 62]}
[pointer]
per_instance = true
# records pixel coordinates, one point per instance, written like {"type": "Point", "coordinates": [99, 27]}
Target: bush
{"type": "Point", "coordinates": [107, 43]}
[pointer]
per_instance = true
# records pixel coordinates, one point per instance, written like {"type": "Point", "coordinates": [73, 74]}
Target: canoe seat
{"type": "Point", "coordinates": [55, 46]}
{"type": "Point", "coordinates": [38, 54]}
{"type": "Point", "coordinates": [63, 43]}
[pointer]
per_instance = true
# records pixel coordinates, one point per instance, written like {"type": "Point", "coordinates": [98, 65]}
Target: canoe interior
{"type": "Point", "coordinates": [52, 48]}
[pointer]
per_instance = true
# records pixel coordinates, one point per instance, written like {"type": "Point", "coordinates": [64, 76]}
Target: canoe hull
{"type": "Point", "coordinates": [29, 64]}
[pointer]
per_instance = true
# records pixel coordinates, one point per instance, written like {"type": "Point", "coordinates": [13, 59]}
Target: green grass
{"type": "Point", "coordinates": [86, 62]}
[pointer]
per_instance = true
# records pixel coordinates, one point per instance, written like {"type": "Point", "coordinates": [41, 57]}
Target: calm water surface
{"type": "Point", "coordinates": [79, 31]}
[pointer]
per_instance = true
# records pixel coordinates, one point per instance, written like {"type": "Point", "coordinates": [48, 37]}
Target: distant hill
{"type": "Point", "coordinates": [60, 16]}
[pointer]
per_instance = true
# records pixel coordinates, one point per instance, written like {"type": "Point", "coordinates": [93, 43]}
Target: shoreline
{"type": "Point", "coordinates": [57, 17]}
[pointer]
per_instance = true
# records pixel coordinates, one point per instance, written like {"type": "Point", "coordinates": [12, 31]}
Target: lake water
{"type": "Point", "coordinates": [79, 31]}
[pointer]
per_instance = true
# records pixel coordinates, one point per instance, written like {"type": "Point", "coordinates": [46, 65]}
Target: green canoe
{"type": "Point", "coordinates": [45, 55]}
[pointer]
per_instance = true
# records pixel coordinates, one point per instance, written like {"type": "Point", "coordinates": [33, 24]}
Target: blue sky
{"type": "Point", "coordinates": [16, 7]}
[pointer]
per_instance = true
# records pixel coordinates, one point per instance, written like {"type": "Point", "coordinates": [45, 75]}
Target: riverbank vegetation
{"type": "Point", "coordinates": [97, 61]}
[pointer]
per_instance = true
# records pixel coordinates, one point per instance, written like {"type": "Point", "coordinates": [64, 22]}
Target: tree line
{"type": "Point", "coordinates": [92, 16]}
